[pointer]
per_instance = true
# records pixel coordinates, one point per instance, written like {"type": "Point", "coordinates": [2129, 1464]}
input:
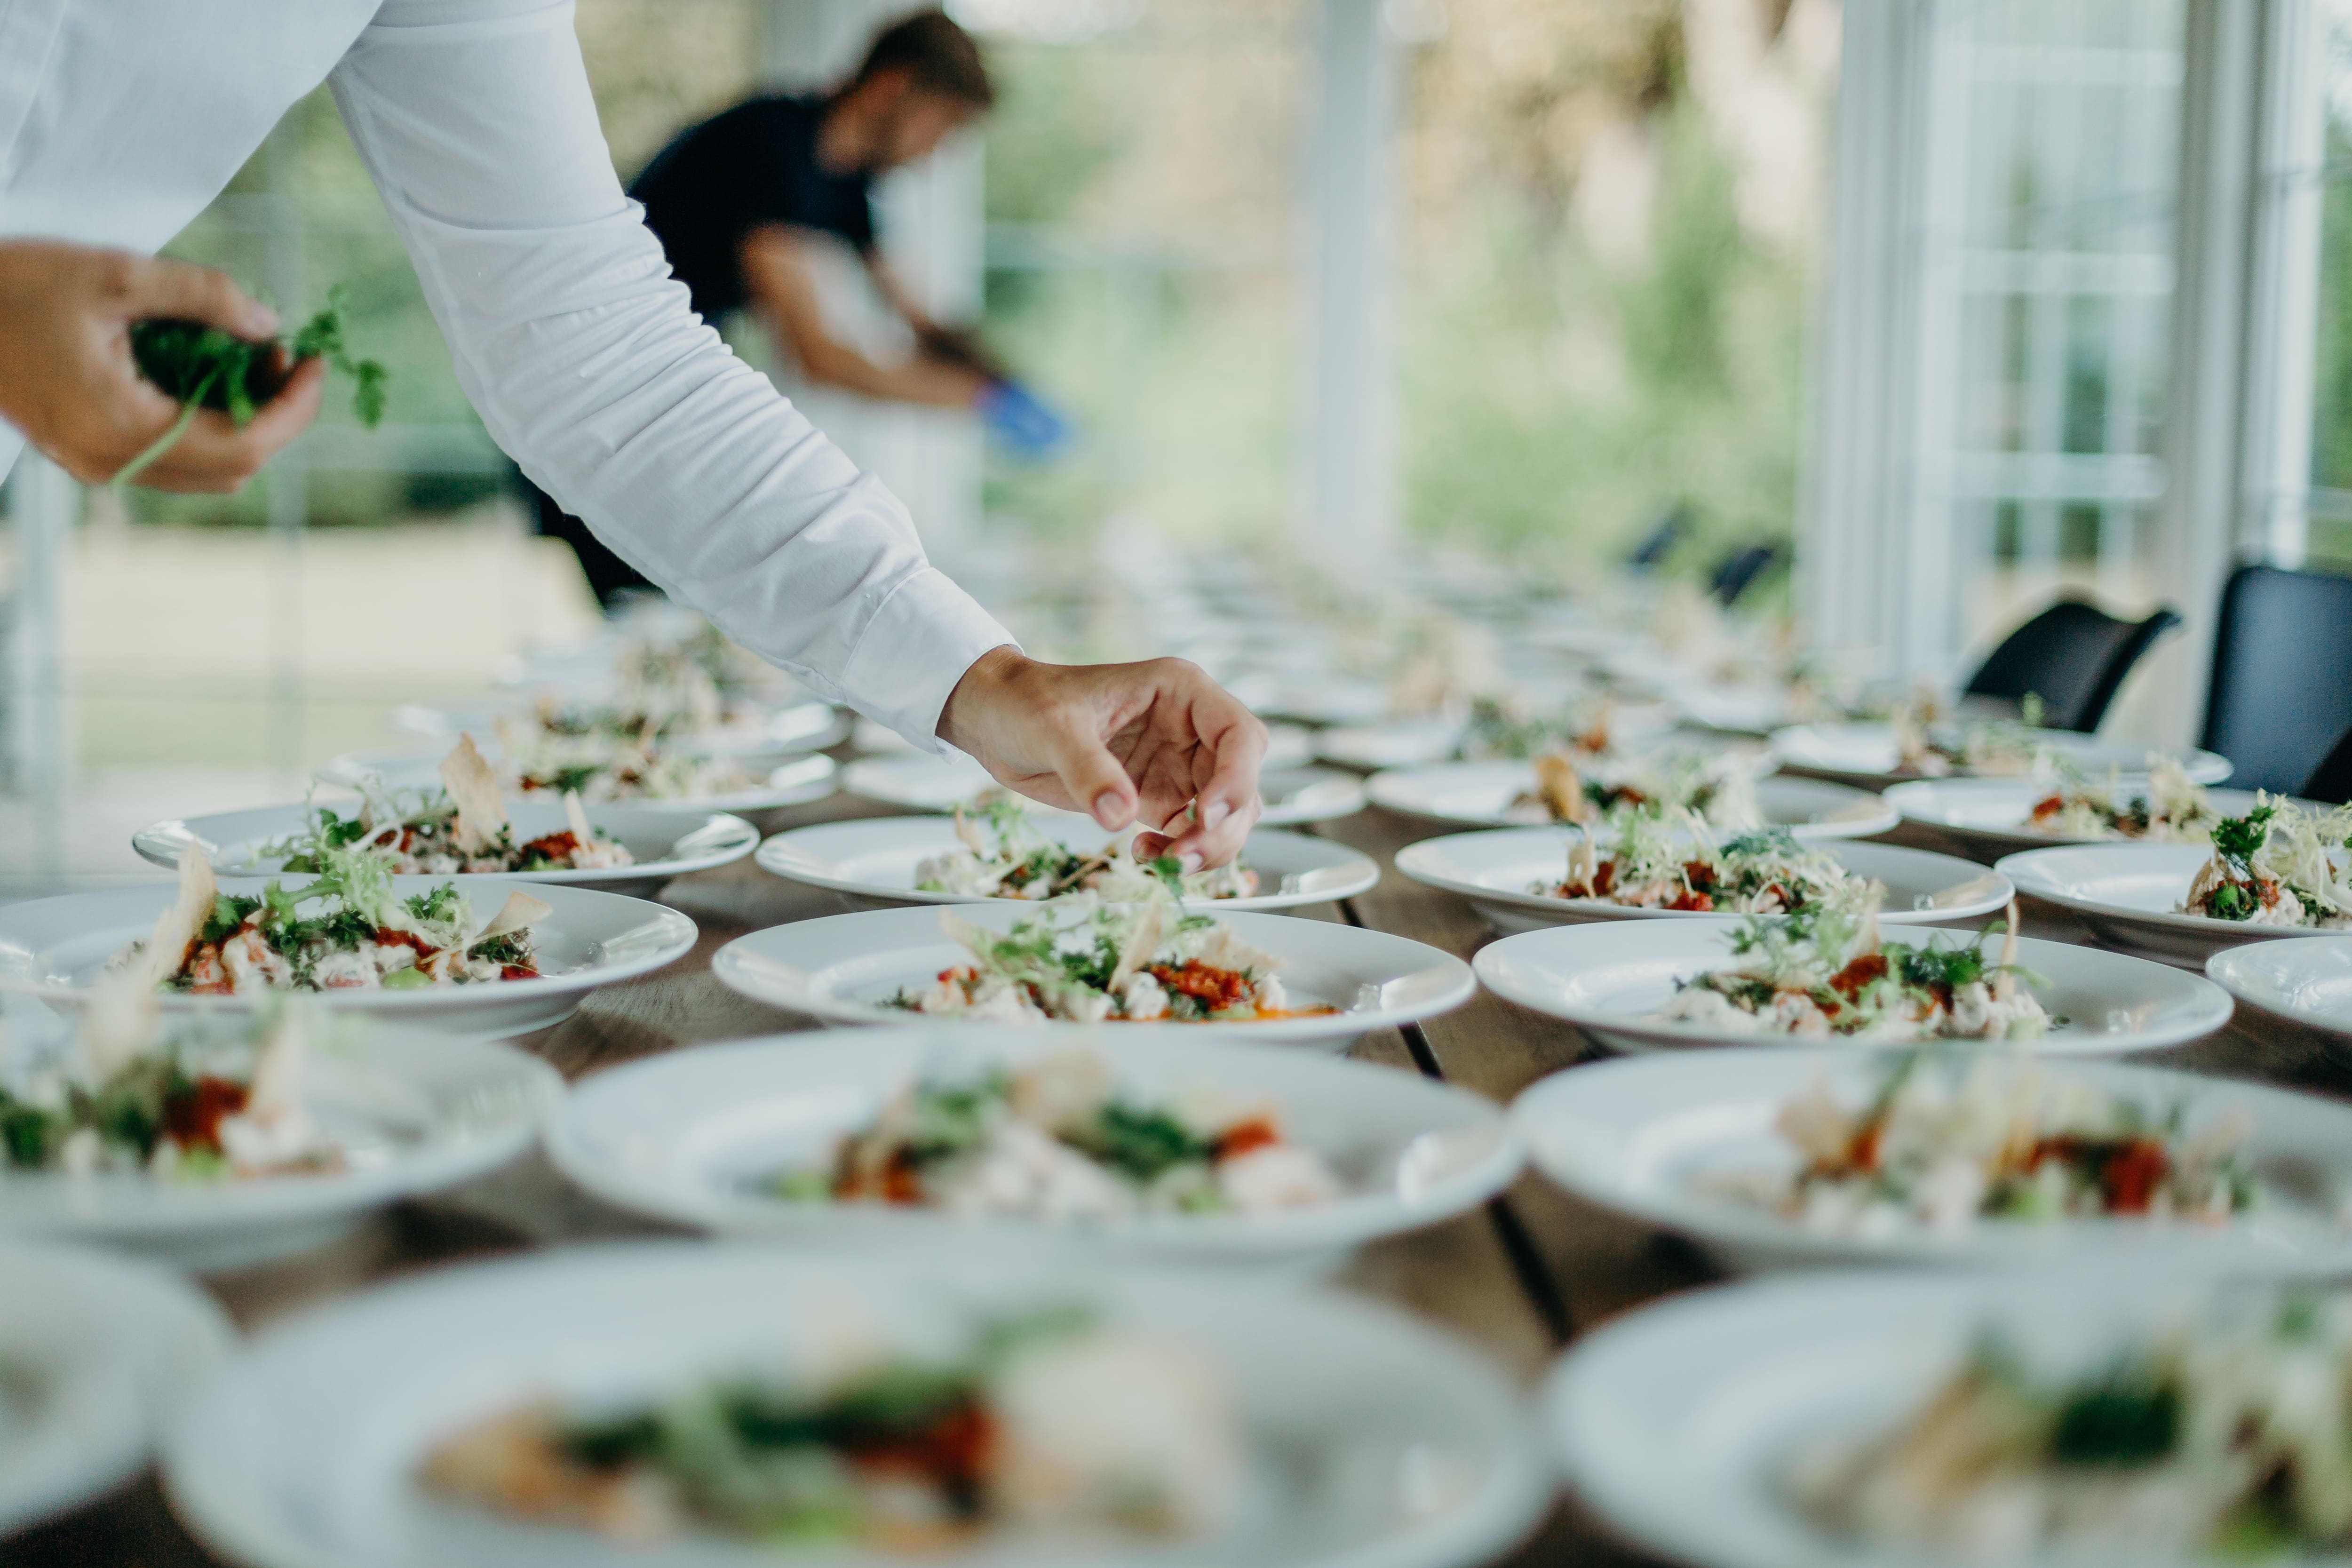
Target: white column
{"type": "Point", "coordinates": [932, 228]}
{"type": "Point", "coordinates": [1350, 455]}
{"type": "Point", "coordinates": [44, 502]}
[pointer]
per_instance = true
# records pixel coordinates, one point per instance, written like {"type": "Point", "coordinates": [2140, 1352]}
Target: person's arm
{"type": "Point", "coordinates": [952, 345]}
{"type": "Point", "coordinates": [67, 382]}
{"type": "Point", "coordinates": [776, 275]}
{"type": "Point", "coordinates": [589, 366]}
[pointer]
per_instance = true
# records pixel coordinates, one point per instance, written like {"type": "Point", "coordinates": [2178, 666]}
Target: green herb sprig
{"type": "Point", "coordinates": [205, 367]}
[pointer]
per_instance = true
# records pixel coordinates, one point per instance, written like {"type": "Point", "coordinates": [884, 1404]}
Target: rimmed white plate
{"type": "Point", "coordinates": [2129, 894]}
{"type": "Point", "coordinates": [1610, 979]}
{"type": "Point", "coordinates": [1640, 1136]}
{"type": "Point", "coordinates": [1988, 816]}
{"type": "Point", "coordinates": [846, 968]}
{"type": "Point", "coordinates": [414, 1112]}
{"type": "Point", "coordinates": [1480, 795]}
{"type": "Point", "coordinates": [917, 781]}
{"type": "Point", "coordinates": [1416, 742]}
{"type": "Point", "coordinates": [1373, 1440]}
{"type": "Point", "coordinates": [695, 1136]}
{"type": "Point", "coordinates": [663, 841]}
{"type": "Point", "coordinates": [590, 939]}
{"type": "Point", "coordinates": [95, 1353]}
{"type": "Point", "coordinates": [1497, 871]}
{"type": "Point", "coordinates": [1678, 1423]}
{"type": "Point", "coordinates": [871, 861]}
{"type": "Point", "coordinates": [808, 726]}
{"type": "Point", "coordinates": [2307, 981]}
{"type": "Point", "coordinates": [1868, 754]}
{"type": "Point", "coordinates": [786, 779]}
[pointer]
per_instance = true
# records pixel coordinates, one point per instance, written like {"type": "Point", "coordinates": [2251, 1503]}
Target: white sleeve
{"type": "Point", "coordinates": [591, 370]}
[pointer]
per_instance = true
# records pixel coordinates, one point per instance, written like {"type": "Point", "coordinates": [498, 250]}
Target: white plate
{"type": "Point", "coordinates": [1676, 1424]}
{"type": "Point", "coordinates": [787, 779]}
{"type": "Point", "coordinates": [1480, 793]}
{"type": "Point", "coordinates": [1867, 753]}
{"type": "Point", "coordinates": [1635, 1135]}
{"type": "Point", "coordinates": [1607, 979]}
{"type": "Point", "coordinates": [916, 781]}
{"type": "Point", "coordinates": [2128, 894]}
{"type": "Point", "coordinates": [1317, 700]}
{"type": "Point", "coordinates": [665, 841]}
{"type": "Point", "coordinates": [799, 727]}
{"type": "Point", "coordinates": [844, 968]}
{"type": "Point", "coordinates": [2307, 981]}
{"type": "Point", "coordinates": [416, 1112]}
{"type": "Point", "coordinates": [689, 1136]}
{"type": "Point", "coordinates": [1416, 742]}
{"type": "Point", "coordinates": [1376, 1441]}
{"type": "Point", "coordinates": [871, 861]}
{"type": "Point", "coordinates": [592, 939]}
{"type": "Point", "coordinates": [1497, 869]}
{"type": "Point", "coordinates": [1987, 815]}
{"type": "Point", "coordinates": [115, 1347]}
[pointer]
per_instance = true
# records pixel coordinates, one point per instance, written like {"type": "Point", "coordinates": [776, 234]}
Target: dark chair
{"type": "Point", "coordinates": [1664, 535]}
{"type": "Point", "coordinates": [2073, 657]}
{"type": "Point", "coordinates": [2331, 781]}
{"type": "Point", "coordinates": [1740, 571]}
{"type": "Point", "coordinates": [2281, 691]}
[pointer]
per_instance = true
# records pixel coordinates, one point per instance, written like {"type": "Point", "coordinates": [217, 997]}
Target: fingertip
{"type": "Point", "coordinates": [1112, 808]}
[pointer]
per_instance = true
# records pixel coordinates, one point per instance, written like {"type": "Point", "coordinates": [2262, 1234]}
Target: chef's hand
{"type": "Point", "coordinates": [1122, 743]}
{"type": "Point", "coordinates": [69, 383]}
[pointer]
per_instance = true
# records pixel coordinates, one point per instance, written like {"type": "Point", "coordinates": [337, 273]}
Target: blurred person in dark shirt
{"type": "Point", "coordinates": [738, 200]}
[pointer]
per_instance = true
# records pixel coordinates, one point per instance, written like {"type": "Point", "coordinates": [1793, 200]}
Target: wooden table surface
{"type": "Point", "coordinates": [1522, 1278]}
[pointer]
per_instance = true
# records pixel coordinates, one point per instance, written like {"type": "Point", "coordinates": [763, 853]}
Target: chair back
{"type": "Point", "coordinates": [1664, 535]}
{"type": "Point", "coordinates": [2281, 691]}
{"type": "Point", "coordinates": [1740, 571]}
{"type": "Point", "coordinates": [2073, 657]}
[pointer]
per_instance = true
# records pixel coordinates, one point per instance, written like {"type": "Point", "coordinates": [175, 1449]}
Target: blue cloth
{"type": "Point", "coordinates": [1016, 416]}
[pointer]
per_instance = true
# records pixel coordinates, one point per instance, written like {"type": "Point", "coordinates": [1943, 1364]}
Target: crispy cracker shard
{"type": "Point", "coordinates": [177, 928]}
{"type": "Point", "coordinates": [474, 788]}
{"type": "Point", "coordinates": [520, 913]}
{"type": "Point", "coordinates": [575, 818]}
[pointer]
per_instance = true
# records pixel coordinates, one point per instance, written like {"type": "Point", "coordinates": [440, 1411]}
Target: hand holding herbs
{"type": "Point", "coordinates": [208, 367]}
{"type": "Point", "coordinates": [68, 380]}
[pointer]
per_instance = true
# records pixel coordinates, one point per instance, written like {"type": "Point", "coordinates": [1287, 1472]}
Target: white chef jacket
{"type": "Point", "coordinates": [121, 119]}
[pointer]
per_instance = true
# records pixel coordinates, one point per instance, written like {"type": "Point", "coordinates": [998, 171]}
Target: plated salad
{"type": "Point", "coordinates": [1717, 787]}
{"type": "Point", "coordinates": [1056, 1141]}
{"type": "Point", "coordinates": [1052, 1425]}
{"type": "Point", "coordinates": [1012, 859]}
{"type": "Point", "coordinates": [1942, 1145]}
{"type": "Point", "coordinates": [1082, 960]}
{"type": "Point", "coordinates": [613, 766]}
{"type": "Point", "coordinates": [1500, 730]}
{"type": "Point", "coordinates": [2276, 866]}
{"type": "Point", "coordinates": [1670, 862]}
{"type": "Point", "coordinates": [2217, 1438]}
{"type": "Point", "coordinates": [1824, 970]}
{"type": "Point", "coordinates": [344, 929]}
{"type": "Point", "coordinates": [181, 1102]}
{"type": "Point", "coordinates": [462, 828]}
{"type": "Point", "coordinates": [2170, 810]}
{"type": "Point", "coordinates": [1989, 748]}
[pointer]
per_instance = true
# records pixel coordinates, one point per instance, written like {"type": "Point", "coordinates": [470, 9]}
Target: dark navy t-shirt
{"type": "Point", "coordinates": [752, 164]}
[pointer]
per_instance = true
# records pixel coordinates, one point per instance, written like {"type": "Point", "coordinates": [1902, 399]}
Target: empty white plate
{"type": "Point", "coordinates": [1680, 1423]}
{"type": "Point", "coordinates": [589, 939]}
{"type": "Point", "coordinates": [2129, 895]}
{"type": "Point", "coordinates": [412, 1111]}
{"type": "Point", "coordinates": [697, 1136]}
{"type": "Point", "coordinates": [1498, 870]}
{"type": "Point", "coordinates": [1989, 816]}
{"type": "Point", "coordinates": [2309, 982]}
{"type": "Point", "coordinates": [1370, 1440]}
{"type": "Point", "coordinates": [96, 1353]}
{"type": "Point", "coordinates": [1869, 753]}
{"type": "Point", "coordinates": [1481, 794]}
{"type": "Point", "coordinates": [846, 968]}
{"type": "Point", "coordinates": [783, 778]}
{"type": "Point", "coordinates": [1640, 1136]}
{"type": "Point", "coordinates": [663, 841]}
{"type": "Point", "coordinates": [871, 861]}
{"type": "Point", "coordinates": [917, 782]}
{"type": "Point", "coordinates": [1610, 979]}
